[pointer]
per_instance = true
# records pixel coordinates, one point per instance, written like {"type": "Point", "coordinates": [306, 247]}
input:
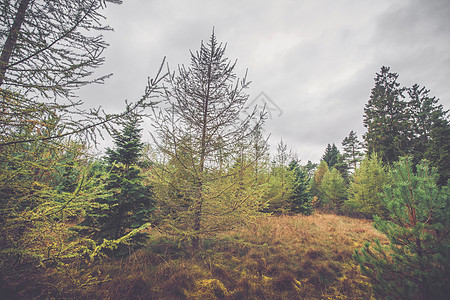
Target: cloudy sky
{"type": "Point", "coordinates": [314, 61]}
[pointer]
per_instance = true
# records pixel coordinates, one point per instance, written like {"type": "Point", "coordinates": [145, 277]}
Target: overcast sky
{"type": "Point", "coordinates": [314, 61]}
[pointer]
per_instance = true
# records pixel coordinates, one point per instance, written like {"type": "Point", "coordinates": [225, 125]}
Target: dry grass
{"type": "Point", "coordinates": [284, 257]}
{"type": "Point", "coordinates": [315, 251]}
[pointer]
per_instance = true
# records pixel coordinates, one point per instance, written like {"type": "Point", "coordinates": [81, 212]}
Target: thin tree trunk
{"type": "Point", "coordinates": [11, 41]}
{"type": "Point", "coordinates": [199, 206]}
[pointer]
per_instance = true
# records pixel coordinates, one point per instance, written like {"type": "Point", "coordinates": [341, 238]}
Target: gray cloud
{"type": "Point", "coordinates": [315, 59]}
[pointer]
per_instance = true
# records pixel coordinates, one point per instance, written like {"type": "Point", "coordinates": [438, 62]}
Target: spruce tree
{"type": "Point", "coordinates": [438, 150]}
{"type": "Point", "coordinates": [331, 155]}
{"type": "Point", "coordinates": [300, 195]}
{"type": "Point", "coordinates": [384, 118]}
{"type": "Point", "coordinates": [407, 121]}
{"type": "Point", "coordinates": [415, 264]}
{"type": "Point", "coordinates": [128, 144]}
{"type": "Point", "coordinates": [130, 202]}
{"type": "Point", "coordinates": [429, 131]}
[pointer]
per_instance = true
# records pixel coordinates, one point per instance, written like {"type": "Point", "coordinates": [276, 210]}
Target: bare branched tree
{"type": "Point", "coordinates": [52, 47]}
{"type": "Point", "coordinates": [49, 50]}
{"type": "Point", "coordinates": [203, 121]}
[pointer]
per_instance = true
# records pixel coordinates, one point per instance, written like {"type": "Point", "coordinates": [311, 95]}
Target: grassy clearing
{"type": "Point", "coordinates": [284, 257]}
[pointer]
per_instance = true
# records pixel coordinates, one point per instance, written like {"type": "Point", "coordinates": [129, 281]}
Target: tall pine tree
{"type": "Point", "coordinates": [438, 151]}
{"type": "Point", "coordinates": [387, 127]}
{"type": "Point", "coordinates": [415, 125]}
{"type": "Point", "coordinates": [429, 131]}
{"type": "Point", "coordinates": [352, 151]}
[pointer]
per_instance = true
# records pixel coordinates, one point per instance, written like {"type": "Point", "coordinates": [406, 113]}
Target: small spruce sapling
{"type": "Point", "coordinates": [131, 201]}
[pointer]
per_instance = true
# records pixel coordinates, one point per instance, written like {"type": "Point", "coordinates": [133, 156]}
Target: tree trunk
{"type": "Point", "coordinates": [198, 208]}
{"type": "Point", "coordinates": [11, 41]}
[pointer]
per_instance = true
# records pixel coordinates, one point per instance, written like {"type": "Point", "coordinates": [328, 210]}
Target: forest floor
{"type": "Point", "coordinates": [277, 257]}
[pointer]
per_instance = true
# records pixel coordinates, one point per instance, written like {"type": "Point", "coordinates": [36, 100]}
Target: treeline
{"type": "Point", "coordinates": [401, 180]}
{"type": "Point", "coordinates": [400, 122]}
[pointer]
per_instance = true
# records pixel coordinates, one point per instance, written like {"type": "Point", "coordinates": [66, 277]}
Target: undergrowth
{"type": "Point", "coordinates": [283, 257]}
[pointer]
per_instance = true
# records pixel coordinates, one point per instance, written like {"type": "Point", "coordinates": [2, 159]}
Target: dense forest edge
{"type": "Point", "coordinates": [204, 210]}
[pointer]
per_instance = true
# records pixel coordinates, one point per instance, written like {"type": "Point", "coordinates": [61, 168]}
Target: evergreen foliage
{"type": "Point", "coordinates": [407, 121]}
{"type": "Point", "coordinates": [429, 131]}
{"type": "Point", "coordinates": [415, 264]}
{"type": "Point", "coordinates": [310, 168]}
{"type": "Point", "coordinates": [438, 150]}
{"type": "Point", "coordinates": [334, 190]}
{"type": "Point", "coordinates": [60, 209]}
{"type": "Point", "coordinates": [342, 167]}
{"type": "Point", "coordinates": [384, 118]}
{"type": "Point", "coordinates": [364, 192]}
{"type": "Point", "coordinates": [46, 189]}
{"type": "Point", "coordinates": [48, 179]}
{"type": "Point", "coordinates": [300, 197]}
{"type": "Point", "coordinates": [331, 155]}
{"type": "Point", "coordinates": [128, 144]}
{"type": "Point", "coordinates": [352, 151]}
{"type": "Point", "coordinates": [130, 203]}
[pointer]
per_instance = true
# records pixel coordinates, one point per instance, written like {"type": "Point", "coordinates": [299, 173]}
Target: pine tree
{"type": "Point", "coordinates": [331, 155]}
{"type": "Point", "coordinates": [131, 201]}
{"type": "Point", "coordinates": [342, 167]}
{"type": "Point", "coordinates": [415, 264]}
{"type": "Point", "coordinates": [384, 118]}
{"type": "Point", "coordinates": [429, 131]}
{"type": "Point", "coordinates": [417, 126]}
{"type": "Point", "coordinates": [438, 150]}
{"type": "Point", "coordinates": [352, 151]}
